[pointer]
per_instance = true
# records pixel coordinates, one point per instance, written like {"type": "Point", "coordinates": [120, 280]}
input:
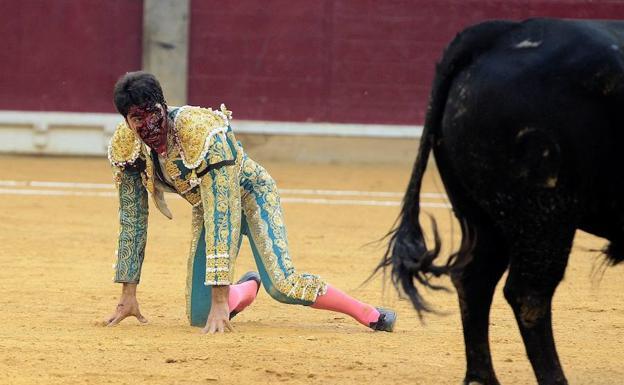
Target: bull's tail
{"type": "Point", "coordinates": [411, 260]}
{"type": "Point", "coordinates": [614, 253]}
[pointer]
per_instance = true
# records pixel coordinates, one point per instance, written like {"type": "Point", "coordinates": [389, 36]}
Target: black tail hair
{"type": "Point", "coordinates": [614, 253]}
{"type": "Point", "coordinates": [407, 252]}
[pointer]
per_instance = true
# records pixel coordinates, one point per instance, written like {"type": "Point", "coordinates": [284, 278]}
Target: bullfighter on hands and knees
{"type": "Point", "coordinates": [193, 152]}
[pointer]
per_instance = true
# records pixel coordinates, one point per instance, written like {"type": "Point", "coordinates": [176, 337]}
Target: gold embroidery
{"type": "Point", "coordinates": [238, 148]}
{"type": "Point", "coordinates": [182, 185]}
{"type": "Point", "coordinates": [193, 198]}
{"type": "Point", "coordinates": [149, 174]}
{"type": "Point", "coordinates": [207, 198]}
{"type": "Point", "coordinates": [193, 179]}
{"type": "Point", "coordinates": [124, 147]}
{"type": "Point", "coordinates": [171, 169]}
{"type": "Point", "coordinates": [117, 176]}
{"type": "Point", "coordinates": [132, 228]}
{"type": "Point", "coordinates": [220, 191]}
{"type": "Point", "coordinates": [193, 129]}
{"type": "Point", "coordinates": [271, 235]}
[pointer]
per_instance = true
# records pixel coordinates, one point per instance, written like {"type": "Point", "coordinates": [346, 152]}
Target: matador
{"type": "Point", "coordinates": [193, 152]}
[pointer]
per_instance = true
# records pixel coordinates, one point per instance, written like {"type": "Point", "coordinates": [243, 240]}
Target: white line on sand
{"type": "Point", "coordinates": [46, 185]}
{"type": "Point", "coordinates": [319, 201]}
{"type": "Point", "coordinates": [10, 191]}
{"type": "Point", "coordinates": [380, 194]}
{"type": "Point", "coordinates": [109, 186]}
{"type": "Point", "coordinates": [34, 183]}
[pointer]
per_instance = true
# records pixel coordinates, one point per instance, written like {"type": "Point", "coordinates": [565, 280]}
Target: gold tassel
{"type": "Point", "coordinates": [194, 180]}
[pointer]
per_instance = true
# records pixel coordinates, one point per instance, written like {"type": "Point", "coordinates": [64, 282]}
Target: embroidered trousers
{"type": "Point", "coordinates": [263, 224]}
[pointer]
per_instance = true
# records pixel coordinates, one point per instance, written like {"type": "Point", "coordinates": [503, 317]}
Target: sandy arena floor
{"type": "Point", "coordinates": [55, 283]}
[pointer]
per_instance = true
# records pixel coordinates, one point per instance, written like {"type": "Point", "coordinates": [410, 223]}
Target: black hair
{"type": "Point", "coordinates": [137, 88]}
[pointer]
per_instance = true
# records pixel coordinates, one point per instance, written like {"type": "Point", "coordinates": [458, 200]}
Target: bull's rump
{"type": "Point", "coordinates": [536, 116]}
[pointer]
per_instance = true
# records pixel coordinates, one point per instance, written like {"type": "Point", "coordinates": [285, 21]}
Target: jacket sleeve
{"type": "Point", "coordinates": [133, 212]}
{"type": "Point", "coordinates": [221, 201]}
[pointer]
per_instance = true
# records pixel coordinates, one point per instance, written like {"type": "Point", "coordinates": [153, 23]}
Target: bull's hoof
{"type": "Point", "coordinates": [481, 382]}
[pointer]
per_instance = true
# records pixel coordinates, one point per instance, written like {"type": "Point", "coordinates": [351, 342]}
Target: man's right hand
{"type": "Point", "coordinates": [219, 315]}
{"type": "Point", "coordinates": [127, 306]}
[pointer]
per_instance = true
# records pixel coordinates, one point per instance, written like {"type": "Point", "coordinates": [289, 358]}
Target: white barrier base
{"type": "Point", "coordinates": [75, 133]}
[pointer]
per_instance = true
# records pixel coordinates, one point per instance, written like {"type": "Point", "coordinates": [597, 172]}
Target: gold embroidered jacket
{"type": "Point", "coordinates": [203, 161]}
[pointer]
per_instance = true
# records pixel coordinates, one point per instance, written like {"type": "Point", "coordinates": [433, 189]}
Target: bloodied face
{"type": "Point", "coordinates": [149, 122]}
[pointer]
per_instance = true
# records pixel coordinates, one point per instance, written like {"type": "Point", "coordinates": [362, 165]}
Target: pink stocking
{"type": "Point", "coordinates": [242, 295]}
{"type": "Point", "coordinates": [336, 300]}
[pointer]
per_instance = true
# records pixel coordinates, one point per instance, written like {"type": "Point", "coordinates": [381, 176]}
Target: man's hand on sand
{"type": "Point", "coordinates": [218, 320]}
{"type": "Point", "coordinates": [127, 306]}
{"type": "Point", "coordinates": [219, 316]}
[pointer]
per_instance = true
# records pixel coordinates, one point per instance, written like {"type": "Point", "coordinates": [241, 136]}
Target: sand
{"type": "Point", "coordinates": [56, 288]}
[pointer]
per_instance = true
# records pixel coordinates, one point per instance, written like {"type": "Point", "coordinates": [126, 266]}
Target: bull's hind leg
{"type": "Point", "coordinates": [475, 285]}
{"type": "Point", "coordinates": [537, 264]}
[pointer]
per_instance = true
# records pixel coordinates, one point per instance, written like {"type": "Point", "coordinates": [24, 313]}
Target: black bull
{"type": "Point", "coordinates": [525, 121]}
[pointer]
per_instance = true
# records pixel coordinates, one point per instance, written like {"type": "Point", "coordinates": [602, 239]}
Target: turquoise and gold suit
{"type": "Point", "coordinates": [231, 196]}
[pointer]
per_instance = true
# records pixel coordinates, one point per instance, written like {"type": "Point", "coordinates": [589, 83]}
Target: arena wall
{"type": "Point", "coordinates": [356, 61]}
{"type": "Point", "coordinates": [64, 55]}
{"type": "Point", "coordinates": [363, 66]}
{"type": "Point", "coordinates": [363, 61]}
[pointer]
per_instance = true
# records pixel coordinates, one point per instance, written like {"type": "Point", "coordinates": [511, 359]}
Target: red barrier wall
{"type": "Point", "coordinates": [365, 61]}
{"type": "Point", "coordinates": [66, 55]}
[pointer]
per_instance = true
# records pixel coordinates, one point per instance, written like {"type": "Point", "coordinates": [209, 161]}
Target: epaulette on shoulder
{"type": "Point", "coordinates": [194, 127]}
{"type": "Point", "coordinates": [124, 147]}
